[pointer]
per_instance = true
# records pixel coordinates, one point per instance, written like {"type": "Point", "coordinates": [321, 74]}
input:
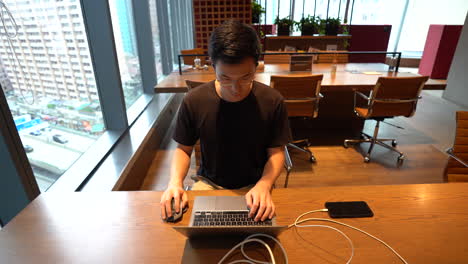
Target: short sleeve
{"type": "Point", "coordinates": [281, 131]}
{"type": "Point", "coordinates": [185, 131]}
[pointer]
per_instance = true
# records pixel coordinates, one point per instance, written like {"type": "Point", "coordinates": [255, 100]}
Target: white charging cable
{"type": "Point", "coordinates": [241, 244]}
{"type": "Point", "coordinates": [343, 224]}
{"type": "Point", "coordinates": [297, 223]}
{"type": "Point", "coordinates": [10, 36]}
{"type": "Point", "coordinates": [263, 262]}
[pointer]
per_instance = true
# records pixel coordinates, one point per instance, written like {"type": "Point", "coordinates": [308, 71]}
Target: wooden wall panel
{"type": "Point", "coordinates": [208, 14]}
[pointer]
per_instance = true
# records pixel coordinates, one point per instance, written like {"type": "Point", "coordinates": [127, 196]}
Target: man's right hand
{"type": "Point", "coordinates": [173, 191]}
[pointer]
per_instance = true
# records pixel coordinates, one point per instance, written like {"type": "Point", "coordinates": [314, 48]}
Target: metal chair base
{"type": "Point", "coordinates": [288, 161]}
{"type": "Point", "coordinates": [373, 140]}
{"type": "Point", "coordinates": [305, 150]}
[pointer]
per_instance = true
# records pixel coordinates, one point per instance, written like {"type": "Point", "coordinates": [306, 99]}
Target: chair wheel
{"type": "Point", "coordinates": [401, 159]}
{"type": "Point", "coordinates": [366, 159]}
{"type": "Point", "coordinates": [394, 143]}
{"type": "Point", "coordinates": [312, 159]}
{"type": "Point", "coordinates": [345, 145]}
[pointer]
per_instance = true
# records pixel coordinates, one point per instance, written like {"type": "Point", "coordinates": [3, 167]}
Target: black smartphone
{"type": "Point", "coordinates": [348, 209]}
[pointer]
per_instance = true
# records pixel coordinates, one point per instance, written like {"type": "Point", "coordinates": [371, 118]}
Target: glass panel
{"type": "Point", "coordinates": [309, 8]}
{"type": "Point", "coordinates": [271, 11]}
{"type": "Point", "coordinates": [420, 15]}
{"type": "Point", "coordinates": [47, 76]}
{"type": "Point", "coordinates": [297, 13]}
{"type": "Point", "coordinates": [173, 30]}
{"type": "Point", "coordinates": [284, 9]}
{"type": "Point", "coordinates": [333, 9]}
{"type": "Point", "coordinates": [155, 32]}
{"type": "Point", "coordinates": [375, 12]}
{"type": "Point", "coordinates": [321, 9]}
{"type": "Point", "coordinates": [127, 51]}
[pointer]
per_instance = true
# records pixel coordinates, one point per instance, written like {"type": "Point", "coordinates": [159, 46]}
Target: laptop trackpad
{"type": "Point", "coordinates": [225, 203]}
{"type": "Point", "coordinates": [228, 203]}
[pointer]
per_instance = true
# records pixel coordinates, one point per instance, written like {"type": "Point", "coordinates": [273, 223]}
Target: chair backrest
{"type": "Point", "coordinates": [189, 60]}
{"type": "Point", "coordinates": [455, 171]}
{"type": "Point", "coordinates": [396, 96]}
{"type": "Point", "coordinates": [301, 93]}
{"type": "Point", "coordinates": [193, 84]}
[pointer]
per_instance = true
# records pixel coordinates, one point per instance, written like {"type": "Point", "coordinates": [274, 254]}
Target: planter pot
{"type": "Point", "coordinates": [331, 30]}
{"type": "Point", "coordinates": [255, 18]}
{"type": "Point", "coordinates": [308, 30]}
{"type": "Point", "coordinates": [283, 30]}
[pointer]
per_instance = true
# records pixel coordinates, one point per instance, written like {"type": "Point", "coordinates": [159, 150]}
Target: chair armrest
{"type": "Point", "coordinates": [397, 101]}
{"type": "Point", "coordinates": [287, 160]}
{"type": "Point", "coordinates": [362, 95]}
{"type": "Point", "coordinates": [452, 155]}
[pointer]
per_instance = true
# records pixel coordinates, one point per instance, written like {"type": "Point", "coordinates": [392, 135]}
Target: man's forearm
{"type": "Point", "coordinates": [179, 167]}
{"type": "Point", "coordinates": [273, 167]}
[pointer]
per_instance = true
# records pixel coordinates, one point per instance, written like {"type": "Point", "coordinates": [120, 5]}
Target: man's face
{"type": "Point", "coordinates": [235, 80]}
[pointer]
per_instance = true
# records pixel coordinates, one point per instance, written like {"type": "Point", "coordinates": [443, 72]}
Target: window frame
{"type": "Point", "coordinates": [117, 119]}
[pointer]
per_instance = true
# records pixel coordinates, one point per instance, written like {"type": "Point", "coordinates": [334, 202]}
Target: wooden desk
{"type": "Point", "coordinates": [425, 223]}
{"type": "Point", "coordinates": [347, 77]}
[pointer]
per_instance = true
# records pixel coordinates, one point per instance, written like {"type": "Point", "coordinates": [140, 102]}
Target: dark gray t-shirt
{"type": "Point", "coordinates": [234, 136]}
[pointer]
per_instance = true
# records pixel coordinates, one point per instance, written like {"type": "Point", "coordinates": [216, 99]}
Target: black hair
{"type": "Point", "coordinates": [232, 42]}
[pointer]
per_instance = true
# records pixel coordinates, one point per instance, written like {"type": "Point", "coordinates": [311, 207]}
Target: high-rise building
{"type": "Point", "coordinates": [126, 48]}
{"type": "Point", "coordinates": [123, 9]}
{"type": "Point", "coordinates": [4, 80]}
{"type": "Point", "coordinates": [51, 48]}
{"type": "Point", "coordinates": [47, 75]}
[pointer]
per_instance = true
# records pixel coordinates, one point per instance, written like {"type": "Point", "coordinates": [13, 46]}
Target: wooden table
{"type": "Point", "coordinates": [348, 76]}
{"type": "Point", "coordinates": [426, 223]}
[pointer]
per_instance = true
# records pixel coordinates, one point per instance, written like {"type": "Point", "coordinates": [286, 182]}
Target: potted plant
{"type": "Point", "coordinates": [284, 25]}
{"type": "Point", "coordinates": [308, 25]}
{"type": "Point", "coordinates": [331, 26]}
{"type": "Point", "coordinates": [257, 11]}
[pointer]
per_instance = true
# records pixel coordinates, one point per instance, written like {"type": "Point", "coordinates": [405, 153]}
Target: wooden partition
{"type": "Point", "coordinates": [304, 42]}
{"type": "Point", "coordinates": [439, 50]}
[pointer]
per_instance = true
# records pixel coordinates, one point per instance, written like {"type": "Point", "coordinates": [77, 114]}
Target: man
{"type": "Point", "coordinates": [242, 126]}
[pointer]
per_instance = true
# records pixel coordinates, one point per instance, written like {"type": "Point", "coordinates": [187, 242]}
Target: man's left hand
{"type": "Point", "coordinates": [259, 202]}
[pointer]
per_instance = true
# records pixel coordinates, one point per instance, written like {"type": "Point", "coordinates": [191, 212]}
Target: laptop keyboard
{"type": "Point", "coordinates": [226, 218]}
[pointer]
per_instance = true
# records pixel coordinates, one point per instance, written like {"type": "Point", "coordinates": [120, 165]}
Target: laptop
{"type": "Point", "coordinates": [225, 215]}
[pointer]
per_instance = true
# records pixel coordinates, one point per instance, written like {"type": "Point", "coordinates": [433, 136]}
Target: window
{"type": "Point", "coordinates": [181, 29]}
{"type": "Point", "coordinates": [422, 13]}
{"type": "Point", "coordinates": [55, 127]}
{"type": "Point", "coordinates": [372, 12]}
{"type": "Point", "coordinates": [284, 10]}
{"type": "Point", "coordinates": [271, 9]}
{"type": "Point", "coordinates": [52, 92]}
{"type": "Point", "coordinates": [127, 52]}
{"type": "Point", "coordinates": [155, 33]}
